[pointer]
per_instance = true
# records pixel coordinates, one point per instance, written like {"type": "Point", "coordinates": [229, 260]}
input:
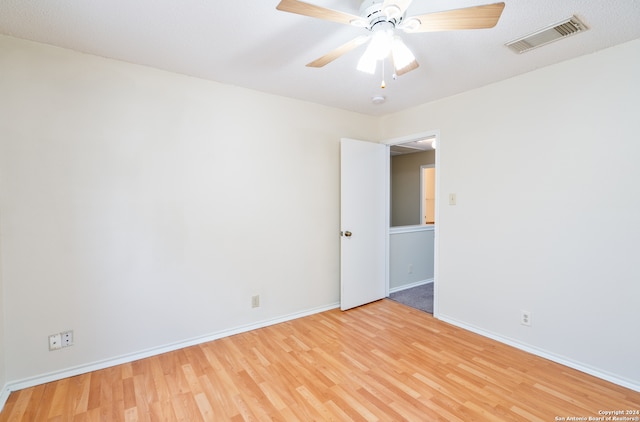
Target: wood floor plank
{"type": "Point", "coordinates": [382, 361]}
{"type": "Point", "coordinates": [84, 386]}
{"type": "Point", "coordinates": [41, 411]}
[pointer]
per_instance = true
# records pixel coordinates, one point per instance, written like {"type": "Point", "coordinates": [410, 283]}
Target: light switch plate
{"type": "Point", "coordinates": [55, 341]}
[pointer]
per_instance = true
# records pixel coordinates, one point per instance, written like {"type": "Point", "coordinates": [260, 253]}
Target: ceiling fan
{"type": "Point", "coordinates": [381, 18]}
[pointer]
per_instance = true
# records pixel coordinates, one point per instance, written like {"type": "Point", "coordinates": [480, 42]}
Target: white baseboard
{"type": "Point", "coordinates": [410, 285]}
{"type": "Point", "coordinates": [545, 354]}
{"type": "Point", "coordinates": [4, 395]}
{"type": "Point", "coordinates": [95, 366]}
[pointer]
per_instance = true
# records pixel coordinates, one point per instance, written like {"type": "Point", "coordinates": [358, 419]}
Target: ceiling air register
{"type": "Point", "coordinates": [547, 35]}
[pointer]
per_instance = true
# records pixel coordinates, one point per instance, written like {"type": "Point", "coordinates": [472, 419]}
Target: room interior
{"type": "Point", "coordinates": [155, 178]}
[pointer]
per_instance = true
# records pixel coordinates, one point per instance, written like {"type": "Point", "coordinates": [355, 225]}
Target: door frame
{"type": "Point", "coordinates": [436, 241]}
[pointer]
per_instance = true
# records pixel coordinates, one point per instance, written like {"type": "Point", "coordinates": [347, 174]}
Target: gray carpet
{"type": "Point", "coordinates": [420, 297]}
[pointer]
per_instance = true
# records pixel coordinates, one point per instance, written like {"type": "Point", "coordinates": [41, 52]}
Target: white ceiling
{"type": "Point", "coordinates": [249, 43]}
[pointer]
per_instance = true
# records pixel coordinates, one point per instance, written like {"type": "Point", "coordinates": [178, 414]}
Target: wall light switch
{"type": "Point", "coordinates": [452, 199]}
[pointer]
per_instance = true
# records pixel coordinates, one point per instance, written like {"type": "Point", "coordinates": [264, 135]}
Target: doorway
{"type": "Point", "coordinates": [412, 233]}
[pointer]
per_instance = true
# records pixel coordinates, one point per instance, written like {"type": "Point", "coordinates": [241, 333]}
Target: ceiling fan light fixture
{"type": "Point", "coordinates": [381, 43]}
{"type": "Point", "coordinates": [402, 56]}
{"type": "Point", "coordinates": [378, 49]}
{"type": "Point", "coordinates": [367, 62]}
{"type": "Point", "coordinates": [382, 18]}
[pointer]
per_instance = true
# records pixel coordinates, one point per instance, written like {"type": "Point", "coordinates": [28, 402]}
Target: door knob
{"type": "Point", "coordinates": [348, 233]}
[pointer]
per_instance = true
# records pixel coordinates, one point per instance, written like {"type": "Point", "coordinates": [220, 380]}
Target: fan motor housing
{"type": "Point", "coordinates": [371, 10]}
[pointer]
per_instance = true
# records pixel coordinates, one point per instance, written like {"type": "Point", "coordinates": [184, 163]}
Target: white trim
{"type": "Point", "coordinates": [436, 231]}
{"type": "Point", "coordinates": [4, 395]}
{"type": "Point", "coordinates": [95, 366]}
{"type": "Point", "coordinates": [545, 354]}
{"type": "Point", "coordinates": [410, 285]}
{"type": "Point", "coordinates": [387, 219]}
{"type": "Point", "coordinates": [414, 137]}
{"type": "Point", "coordinates": [411, 229]}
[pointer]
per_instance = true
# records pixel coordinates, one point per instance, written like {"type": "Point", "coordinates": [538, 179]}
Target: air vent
{"type": "Point", "coordinates": [549, 34]}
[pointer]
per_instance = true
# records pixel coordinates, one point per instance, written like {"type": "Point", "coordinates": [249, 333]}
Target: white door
{"type": "Point", "coordinates": [364, 221]}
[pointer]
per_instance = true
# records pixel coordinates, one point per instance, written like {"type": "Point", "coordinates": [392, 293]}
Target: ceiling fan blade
{"type": "Point", "coordinates": [408, 68]}
{"type": "Point", "coordinates": [477, 17]}
{"type": "Point", "coordinates": [343, 49]}
{"type": "Point", "coordinates": [395, 8]}
{"type": "Point", "coordinates": [306, 9]}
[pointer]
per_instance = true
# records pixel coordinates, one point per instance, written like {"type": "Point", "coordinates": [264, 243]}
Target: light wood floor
{"type": "Point", "coordinates": [382, 361]}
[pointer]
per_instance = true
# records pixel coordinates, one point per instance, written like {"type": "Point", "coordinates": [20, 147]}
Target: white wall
{"type": "Point", "coordinates": [142, 208]}
{"type": "Point", "coordinates": [545, 168]}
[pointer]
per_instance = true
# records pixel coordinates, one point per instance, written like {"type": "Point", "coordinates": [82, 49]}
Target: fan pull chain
{"type": "Point", "coordinates": [383, 84]}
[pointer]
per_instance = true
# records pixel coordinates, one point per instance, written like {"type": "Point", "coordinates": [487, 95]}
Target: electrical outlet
{"type": "Point", "coordinates": [525, 318]}
{"type": "Point", "coordinates": [55, 341]}
{"type": "Point", "coordinates": [410, 269]}
{"type": "Point", "coordinates": [67, 338]}
{"type": "Point", "coordinates": [255, 301]}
